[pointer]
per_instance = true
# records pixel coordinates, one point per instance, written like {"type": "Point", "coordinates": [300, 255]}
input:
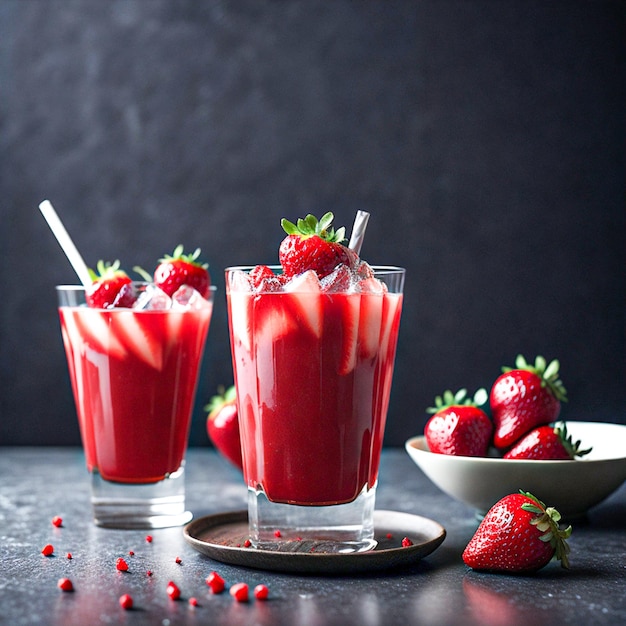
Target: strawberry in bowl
{"type": "Point", "coordinates": [458, 426]}
{"type": "Point", "coordinates": [524, 397]}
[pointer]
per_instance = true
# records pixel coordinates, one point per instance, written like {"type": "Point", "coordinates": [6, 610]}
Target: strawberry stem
{"type": "Point", "coordinates": [310, 226]}
{"type": "Point", "coordinates": [548, 372]}
{"type": "Point", "coordinates": [449, 399]}
{"type": "Point", "coordinates": [547, 521]}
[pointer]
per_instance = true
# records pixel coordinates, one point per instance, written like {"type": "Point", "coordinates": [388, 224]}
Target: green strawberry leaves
{"type": "Point", "coordinates": [547, 521]}
{"type": "Point", "coordinates": [459, 398]}
{"type": "Point", "coordinates": [548, 372]}
{"type": "Point", "coordinates": [310, 226]}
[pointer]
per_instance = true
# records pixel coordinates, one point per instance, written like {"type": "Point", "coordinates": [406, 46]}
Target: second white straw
{"type": "Point", "coordinates": [358, 231]}
{"type": "Point", "coordinates": [65, 241]}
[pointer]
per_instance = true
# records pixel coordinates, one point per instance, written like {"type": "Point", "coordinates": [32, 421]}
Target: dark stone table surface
{"type": "Point", "coordinates": [38, 483]}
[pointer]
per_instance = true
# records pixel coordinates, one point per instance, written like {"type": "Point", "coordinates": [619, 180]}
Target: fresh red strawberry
{"type": "Point", "coordinates": [223, 425]}
{"type": "Point", "coordinates": [312, 244]}
{"type": "Point", "coordinates": [111, 287]}
{"type": "Point", "coordinates": [525, 397]}
{"type": "Point", "coordinates": [518, 534]}
{"type": "Point", "coordinates": [182, 269]}
{"type": "Point", "coordinates": [547, 443]}
{"type": "Point", "coordinates": [458, 426]}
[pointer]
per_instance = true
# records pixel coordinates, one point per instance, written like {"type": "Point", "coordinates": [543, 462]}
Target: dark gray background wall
{"type": "Point", "coordinates": [485, 138]}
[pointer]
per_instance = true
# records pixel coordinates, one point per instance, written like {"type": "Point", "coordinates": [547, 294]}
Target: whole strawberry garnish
{"type": "Point", "coordinates": [547, 443]}
{"type": "Point", "coordinates": [525, 397]}
{"type": "Point", "coordinates": [313, 245]}
{"type": "Point", "coordinates": [182, 269]}
{"type": "Point", "coordinates": [518, 534]}
{"type": "Point", "coordinates": [223, 425]}
{"type": "Point", "coordinates": [111, 287]}
{"type": "Point", "coordinates": [459, 426]}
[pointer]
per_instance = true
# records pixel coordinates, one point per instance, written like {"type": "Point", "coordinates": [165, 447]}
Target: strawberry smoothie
{"type": "Point", "coordinates": [134, 376]}
{"type": "Point", "coordinates": [313, 368]}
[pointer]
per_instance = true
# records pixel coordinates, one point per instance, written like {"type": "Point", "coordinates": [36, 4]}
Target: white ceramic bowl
{"type": "Point", "coordinates": [572, 487]}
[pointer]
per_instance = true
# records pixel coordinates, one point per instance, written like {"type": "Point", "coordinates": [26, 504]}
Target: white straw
{"type": "Point", "coordinates": [65, 242]}
{"type": "Point", "coordinates": [358, 231]}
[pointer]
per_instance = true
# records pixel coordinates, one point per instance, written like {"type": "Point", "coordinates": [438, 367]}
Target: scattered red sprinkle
{"type": "Point", "coordinates": [69, 556]}
{"type": "Point", "coordinates": [149, 538]}
{"type": "Point", "coordinates": [406, 542]}
{"type": "Point", "coordinates": [215, 582]}
{"type": "Point", "coordinates": [131, 553]}
{"type": "Point", "coordinates": [247, 543]}
{"type": "Point", "coordinates": [178, 560]}
{"type": "Point", "coordinates": [239, 591]}
{"type": "Point", "coordinates": [261, 592]}
{"type": "Point", "coordinates": [389, 535]}
{"type": "Point", "coordinates": [65, 584]}
{"type": "Point", "coordinates": [47, 550]}
{"type": "Point", "coordinates": [149, 573]}
{"type": "Point", "coordinates": [57, 521]}
{"type": "Point", "coordinates": [298, 538]}
{"type": "Point", "coordinates": [121, 565]}
{"type": "Point", "coordinates": [277, 533]}
{"type": "Point", "coordinates": [193, 601]}
{"type": "Point", "coordinates": [172, 590]}
{"type": "Point", "coordinates": [126, 601]}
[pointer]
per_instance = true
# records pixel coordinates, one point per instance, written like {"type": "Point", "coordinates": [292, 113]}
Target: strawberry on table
{"type": "Point", "coordinates": [458, 426]}
{"type": "Point", "coordinates": [547, 443]}
{"type": "Point", "coordinates": [182, 269]}
{"type": "Point", "coordinates": [525, 397]}
{"type": "Point", "coordinates": [518, 535]}
{"type": "Point", "coordinates": [223, 425]}
{"type": "Point", "coordinates": [111, 287]}
{"type": "Point", "coordinates": [313, 244]}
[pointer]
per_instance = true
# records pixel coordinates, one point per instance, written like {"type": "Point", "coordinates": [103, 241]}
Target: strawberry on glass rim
{"type": "Point", "coordinates": [524, 397]}
{"type": "Point", "coordinates": [180, 269]}
{"type": "Point", "coordinates": [314, 245]}
{"type": "Point", "coordinates": [111, 287]}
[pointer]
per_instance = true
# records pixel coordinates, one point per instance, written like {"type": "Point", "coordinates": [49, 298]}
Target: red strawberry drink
{"type": "Point", "coordinates": [313, 360]}
{"type": "Point", "coordinates": [134, 370]}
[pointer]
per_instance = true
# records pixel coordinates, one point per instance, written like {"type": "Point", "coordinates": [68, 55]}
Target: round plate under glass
{"type": "Point", "coordinates": [222, 537]}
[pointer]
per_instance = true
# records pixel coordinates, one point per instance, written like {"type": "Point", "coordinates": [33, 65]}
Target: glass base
{"type": "Point", "coordinates": [338, 528]}
{"type": "Point", "coordinates": [126, 506]}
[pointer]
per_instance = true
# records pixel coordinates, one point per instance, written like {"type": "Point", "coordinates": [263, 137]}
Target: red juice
{"type": "Point", "coordinates": [313, 372]}
{"type": "Point", "coordinates": [134, 375]}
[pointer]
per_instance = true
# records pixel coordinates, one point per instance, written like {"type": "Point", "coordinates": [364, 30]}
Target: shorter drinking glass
{"type": "Point", "coordinates": [134, 374]}
{"type": "Point", "coordinates": [313, 363]}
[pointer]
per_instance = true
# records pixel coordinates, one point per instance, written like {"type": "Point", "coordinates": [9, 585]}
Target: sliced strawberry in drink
{"type": "Point", "coordinates": [350, 313]}
{"type": "Point", "coordinates": [94, 328]}
{"type": "Point", "coordinates": [240, 295]}
{"type": "Point", "coordinates": [133, 333]}
{"type": "Point", "coordinates": [370, 323]}
{"type": "Point", "coordinates": [274, 318]}
{"type": "Point", "coordinates": [305, 295]}
{"type": "Point", "coordinates": [391, 309]}
{"type": "Point", "coordinates": [240, 316]}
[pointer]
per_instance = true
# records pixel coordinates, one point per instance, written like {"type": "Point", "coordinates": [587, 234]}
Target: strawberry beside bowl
{"type": "Point", "coordinates": [572, 487]}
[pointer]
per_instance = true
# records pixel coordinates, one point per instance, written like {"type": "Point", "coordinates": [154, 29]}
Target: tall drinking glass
{"type": "Point", "coordinates": [313, 364]}
{"type": "Point", "coordinates": [134, 374]}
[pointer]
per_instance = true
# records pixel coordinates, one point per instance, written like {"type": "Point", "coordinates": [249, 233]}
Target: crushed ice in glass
{"type": "Point", "coordinates": [341, 280]}
{"type": "Point", "coordinates": [153, 299]}
{"type": "Point", "coordinates": [186, 298]}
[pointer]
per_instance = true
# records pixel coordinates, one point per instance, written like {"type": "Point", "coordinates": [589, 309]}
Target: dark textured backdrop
{"type": "Point", "coordinates": [486, 139]}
